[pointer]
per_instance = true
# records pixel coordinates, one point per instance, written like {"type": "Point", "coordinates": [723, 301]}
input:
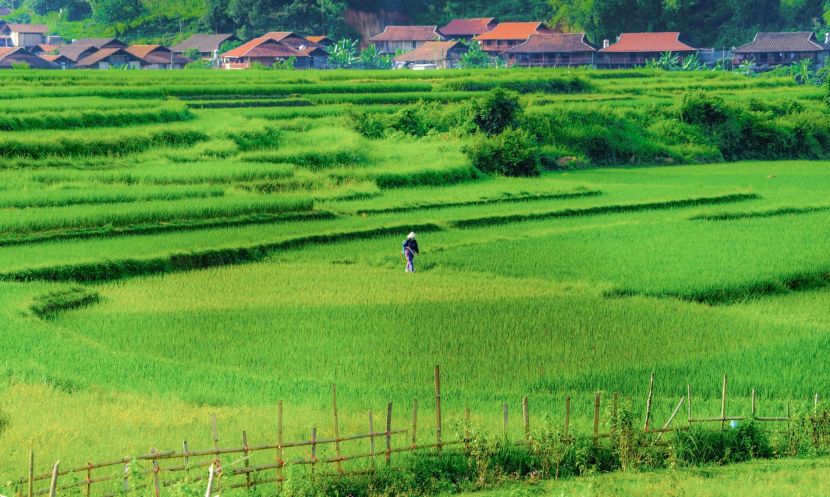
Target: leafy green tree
{"type": "Point", "coordinates": [475, 58]}
{"type": "Point", "coordinates": [513, 152]}
{"type": "Point", "coordinates": [192, 54]}
{"type": "Point", "coordinates": [343, 54]}
{"type": "Point", "coordinates": [496, 111]}
{"type": "Point", "coordinates": [73, 10]}
{"type": "Point", "coordinates": [116, 13]}
{"type": "Point", "coordinates": [370, 58]}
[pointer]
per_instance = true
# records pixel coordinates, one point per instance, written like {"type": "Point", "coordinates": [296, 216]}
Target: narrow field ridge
{"type": "Point", "coordinates": [485, 201]}
{"type": "Point", "coordinates": [782, 211]}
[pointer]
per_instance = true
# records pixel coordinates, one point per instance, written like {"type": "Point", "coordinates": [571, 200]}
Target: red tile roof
{"type": "Point", "coordinates": [260, 47]}
{"type": "Point", "coordinates": [554, 43]}
{"type": "Point", "coordinates": [408, 33]}
{"type": "Point", "coordinates": [429, 51]}
{"type": "Point", "coordinates": [514, 31]}
{"type": "Point", "coordinates": [319, 39]}
{"type": "Point", "coordinates": [27, 28]}
{"type": "Point", "coordinates": [468, 27]}
{"type": "Point", "coordinates": [649, 42]}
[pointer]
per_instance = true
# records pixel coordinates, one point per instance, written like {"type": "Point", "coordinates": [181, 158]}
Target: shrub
{"type": "Point", "coordinates": [496, 111]}
{"type": "Point", "coordinates": [368, 124]}
{"type": "Point", "coordinates": [704, 110]}
{"type": "Point", "coordinates": [512, 153]}
{"type": "Point", "coordinates": [699, 445]}
{"type": "Point", "coordinates": [410, 120]}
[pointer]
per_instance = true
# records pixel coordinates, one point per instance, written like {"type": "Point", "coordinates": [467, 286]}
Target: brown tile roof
{"type": "Point", "coordinates": [801, 41]}
{"type": "Point", "coordinates": [12, 55]}
{"type": "Point", "coordinates": [203, 43]}
{"type": "Point", "coordinates": [468, 27]}
{"type": "Point", "coordinates": [408, 33]}
{"type": "Point", "coordinates": [554, 43]}
{"type": "Point", "coordinates": [101, 55]}
{"type": "Point", "coordinates": [86, 46]}
{"type": "Point", "coordinates": [514, 31]}
{"type": "Point", "coordinates": [27, 28]}
{"type": "Point", "coordinates": [260, 47]}
{"type": "Point", "coordinates": [319, 39]}
{"type": "Point", "coordinates": [47, 48]}
{"type": "Point", "coordinates": [429, 51]}
{"type": "Point", "coordinates": [156, 54]}
{"type": "Point", "coordinates": [649, 42]}
{"type": "Point", "coordinates": [54, 58]}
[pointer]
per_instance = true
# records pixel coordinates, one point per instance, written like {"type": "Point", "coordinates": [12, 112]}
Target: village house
{"type": "Point", "coordinates": [157, 57]}
{"type": "Point", "coordinates": [769, 50]}
{"type": "Point", "coordinates": [85, 47]}
{"type": "Point", "coordinates": [12, 56]}
{"type": "Point", "coordinates": [635, 49]}
{"type": "Point", "coordinates": [107, 58]}
{"type": "Point", "coordinates": [507, 35]}
{"type": "Point", "coordinates": [61, 60]}
{"type": "Point", "coordinates": [433, 55]}
{"type": "Point", "coordinates": [323, 41]}
{"type": "Point", "coordinates": [207, 45]}
{"type": "Point", "coordinates": [552, 50]}
{"type": "Point", "coordinates": [276, 47]}
{"type": "Point", "coordinates": [24, 35]}
{"type": "Point", "coordinates": [467, 29]}
{"type": "Point", "coordinates": [44, 48]}
{"type": "Point", "coordinates": [404, 38]}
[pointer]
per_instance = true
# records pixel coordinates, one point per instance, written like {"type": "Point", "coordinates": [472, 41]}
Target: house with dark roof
{"type": "Point", "coordinates": [404, 38]}
{"type": "Point", "coordinates": [323, 40]}
{"type": "Point", "coordinates": [507, 35]}
{"type": "Point", "coordinates": [206, 45]}
{"type": "Point", "coordinates": [635, 49]}
{"type": "Point", "coordinates": [12, 56]}
{"type": "Point", "coordinates": [434, 54]}
{"type": "Point", "coordinates": [85, 47]}
{"type": "Point", "coordinates": [278, 46]}
{"type": "Point", "coordinates": [107, 58]}
{"type": "Point", "coordinates": [61, 60]}
{"type": "Point", "coordinates": [467, 29]}
{"type": "Point", "coordinates": [24, 35]}
{"type": "Point", "coordinates": [44, 48]}
{"type": "Point", "coordinates": [552, 50]}
{"type": "Point", "coordinates": [157, 57]}
{"type": "Point", "coordinates": [769, 50]}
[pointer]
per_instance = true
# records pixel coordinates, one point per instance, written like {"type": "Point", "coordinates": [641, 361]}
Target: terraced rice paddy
{"type": "Point", "coordinates": [235, 241]}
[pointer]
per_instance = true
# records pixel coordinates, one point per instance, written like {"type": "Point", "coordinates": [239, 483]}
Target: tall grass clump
{"type": "Point", "coordinates": [568, 84]}
{"type": "Point", "coordinates": [77, 119]}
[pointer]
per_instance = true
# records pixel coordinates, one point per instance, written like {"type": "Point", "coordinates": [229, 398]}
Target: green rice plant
{"type": "Point", "coordinates": [571, 84]}
{"type": "Point", "coordinates": [172, 112]}
{"type": "Point", "coordinates": [50, 304]}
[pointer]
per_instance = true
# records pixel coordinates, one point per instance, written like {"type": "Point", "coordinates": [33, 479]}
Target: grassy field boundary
{"type": "Point", "coordinates": [506, 199]}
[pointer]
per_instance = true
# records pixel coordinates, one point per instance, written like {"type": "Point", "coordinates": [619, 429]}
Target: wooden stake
{"type": "Point", "coordinates": [339, 464]}
{"type": "Point", "coordinates": [211, 473]}
{"type": "Point", "coordinates": [216, 459]}
{"type": "Point", "coordinates": [438, 423]}
{"type": "Point", "coordinates": [280, 459]}
{"type": "Point", "coordinates": [671, 418]}
{"type": "Point", "coordinates": [504, 412]}
{"type": "Point", "coordinates": [567, 414]}
{"type": "Point", "coordinates": [53, 484]}
{"type": "Point", "coordinates": [723, 404]}
{"type": "Point", "coordinates": [689, 403]}
{"type": "Point", "coordinates": [245, 454]}
{"type": "Point", "coordinates": [126, 478]}
{"type": "Point", "coordinates": [526, 419]}
{"type": "Point", "coordinates": [414, 423]}
{"type": "Point", "coordinates": [372, 437]}
{"type": "Point", "coordinates": [597, 400]}
{"type": "Point", "coordinates": [31, 489]}
{"type": "Point", "coordinates": [388, 433]}
{"type": "Point", "coordinates": [186, 450]}
{"type": "Point", "coordinates": [752, 410]}
{"type": "Point", "coordinates": [313, 448]}
{"type": "Point", "coordinates": [815, 402]}
{"type": "Point", "coordinates": [614, 411]}
{"type": "Point", "coordinates": [155, 474]}
{"type": "Point", "coordinates": [88, 479]}
{"type": "Point", "coordinates": [649, 400]}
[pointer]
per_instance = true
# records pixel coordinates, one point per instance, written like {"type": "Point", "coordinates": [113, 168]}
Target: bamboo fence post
{"type": "Point", "coordinates": [752, 408]}
{"type": "Point", "coordinates": [597, 400]}
{"type": "Point", "coordinates": [689, 402]}
{"type": "Point", "coordinates": [414, 423]}
{"type": "Point", "coordinates": [372, 437]}
{"type": "Point", "coordinates": [126, 478]}
{"type": "Point", "coordinates": [88, 479]}
{"type": "Point", "coordinates": [723, 404]}
{"type": "Point", "coordinates": [313, 448]}
{"type": "Point", "coordinates": [648, 401]}
{"type": "Point", "coordinates": [211, 473]}
{"type": "Point", "coordinates": [245, 454]}
{"type": "Point", "coordinates": [388, 433]}
{"type": "Point", "coordinates": [339, 464]}
{"type": "Point", "coordinates": [280, 461]}
{"type": "Point", "coordinates": [504, 412]}
{"type": "Point", "coordinates": [156, 470]}
{"type": "Point", "coordinates": [438, 408]}
{"type": "Point", "coordinates": [526, 418]}
{"type": "Point", "coordinates": [186, 450]}
{"type": "Point", "coordinates": [31, 488]}
{"type": "Point", "coordinates": [671, 418]}
{"type": "Point", "coordinates": [615, 402]}
{"type": "Point", "coordinates": [567, 414]}
{"type": "Point", "coordinates": [467, 429]}
{"type": "Point", "coordinates": [53, 484]}
{"type": "Point", "coordinates": [815, 401]}
{"type": "Point", "coordinates": [216, 459]}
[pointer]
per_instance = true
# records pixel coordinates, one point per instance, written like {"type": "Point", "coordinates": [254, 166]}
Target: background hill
{"type": "Point", "coordinates": [706, 23]}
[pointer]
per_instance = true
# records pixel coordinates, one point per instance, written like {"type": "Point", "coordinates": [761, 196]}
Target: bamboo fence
{"type": "Point", "coordinates": [160, 469]}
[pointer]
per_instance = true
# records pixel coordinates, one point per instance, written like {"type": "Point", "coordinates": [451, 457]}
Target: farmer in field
{"type": "Point", "coordinates": [410, 250]}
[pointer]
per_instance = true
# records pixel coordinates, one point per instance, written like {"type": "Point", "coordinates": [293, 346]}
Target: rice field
{"type": "Point", "coordinates": [235, 240]}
